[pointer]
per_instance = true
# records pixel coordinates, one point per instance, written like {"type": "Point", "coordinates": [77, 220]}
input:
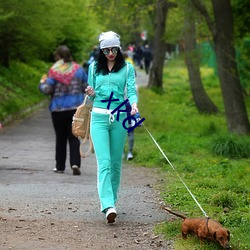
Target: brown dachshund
{"type": "Point", "coordinates": [204, 229]}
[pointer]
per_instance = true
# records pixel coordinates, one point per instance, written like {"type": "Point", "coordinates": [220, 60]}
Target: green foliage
{"type": "Point", "coordinates": [243, 59]}
{"type": "Point", "coordinates": [175, 28]}
{"type": "Point", "coordinates": [19, 87]}
{"type": "Point", "coordinates": [29, 33]}
{"type": "Point", "coordinates": [175, 25]}
{"type": "Point", "coordinates": [219, 183]}
{"type": "Point", "coordinates": [231, 146]}
{"type": "Point", "coordinates": [241, 17]}
{"type": "Point", "coordinates": [128, 18]}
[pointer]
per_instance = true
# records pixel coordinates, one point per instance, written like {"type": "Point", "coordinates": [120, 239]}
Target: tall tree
{"type": "Point", "coordinates": [223, 38]}
{"type": "Point", "coordinates": [159, 44]}
{"type": "Point", "coordinates": [201, 99]}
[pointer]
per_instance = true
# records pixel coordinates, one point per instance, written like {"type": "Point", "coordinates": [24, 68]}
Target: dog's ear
{"type": "Point", "coordinates": [228, 237]}
{"type": "Point", "coordinates": [214, 235]}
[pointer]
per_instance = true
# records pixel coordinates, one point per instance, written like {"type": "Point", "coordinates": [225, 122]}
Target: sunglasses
{"type": "Point", "coordinates": [106, 51]}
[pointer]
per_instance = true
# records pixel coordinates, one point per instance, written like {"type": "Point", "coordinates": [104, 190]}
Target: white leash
{"type": "Point", "coordinates": [175, 171]}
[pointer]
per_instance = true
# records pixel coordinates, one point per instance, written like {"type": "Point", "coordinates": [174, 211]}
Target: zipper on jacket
{"type": "Point", "coordinates": [109, 82]}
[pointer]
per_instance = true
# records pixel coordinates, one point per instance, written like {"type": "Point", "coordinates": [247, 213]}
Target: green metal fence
{"type": "Point", "coordinates": [208, 58]}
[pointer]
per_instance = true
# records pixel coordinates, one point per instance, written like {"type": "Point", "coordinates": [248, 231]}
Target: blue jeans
{"type": "Point", "coordinates": [108, 140]}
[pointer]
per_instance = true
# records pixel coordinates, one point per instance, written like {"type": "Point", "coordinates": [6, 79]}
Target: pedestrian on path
{"type": "Point", "coordinates": [65, 84]}
{"type": "Point", "coordinates": [131, 137]}
{"type": "Point", "coordinates": [108, 75]}
{"type": "Point", "coordinates": [147, 54]}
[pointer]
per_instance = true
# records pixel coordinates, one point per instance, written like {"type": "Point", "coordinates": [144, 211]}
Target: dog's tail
{"type": "Point", "coordinates": [175, 213]}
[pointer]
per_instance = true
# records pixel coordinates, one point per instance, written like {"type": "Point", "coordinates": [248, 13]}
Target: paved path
{"type": "Point", "coordinates": [30, 190]}
{"type": "Point", "coordinates": [26, 163]}
{"type": "Point", "coordinates": [27, 160]}
{"type": "Point", "coordinates": [141, 78]}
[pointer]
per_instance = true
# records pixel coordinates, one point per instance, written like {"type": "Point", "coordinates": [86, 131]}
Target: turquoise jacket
{"type": "Point", "coordinates": [121, 83]}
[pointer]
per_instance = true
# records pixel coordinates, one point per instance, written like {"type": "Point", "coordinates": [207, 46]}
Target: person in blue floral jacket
{"type": "Point", "coordinates": [65, 83]}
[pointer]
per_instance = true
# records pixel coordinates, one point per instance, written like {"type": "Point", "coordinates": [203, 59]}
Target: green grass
{"type": "Point", "coordinates": [214, 164]}
{"type": "Point", "coordinates": [19, 88]}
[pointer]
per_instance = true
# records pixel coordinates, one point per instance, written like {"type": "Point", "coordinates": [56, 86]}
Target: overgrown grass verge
{"type": "Point", "coordinates": [214, 164]}
{"type": "Point", "coordinates": [19, 88]}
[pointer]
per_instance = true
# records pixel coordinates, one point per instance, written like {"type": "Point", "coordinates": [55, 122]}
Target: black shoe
{"type": "Point", "coordinates": [58, 171]}
{"type": "Point", "coordinates": [76, 170]}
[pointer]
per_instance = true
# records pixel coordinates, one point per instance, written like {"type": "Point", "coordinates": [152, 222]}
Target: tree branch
{"type": "Point", "coordinates": [202, 9]}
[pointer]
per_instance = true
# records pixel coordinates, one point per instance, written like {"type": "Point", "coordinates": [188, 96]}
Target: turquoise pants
{"type": "Point", "coordinates": [108, 140]}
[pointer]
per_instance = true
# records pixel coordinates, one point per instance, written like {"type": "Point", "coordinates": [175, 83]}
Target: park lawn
{"type": "Point", "coordinates": [190, 140]}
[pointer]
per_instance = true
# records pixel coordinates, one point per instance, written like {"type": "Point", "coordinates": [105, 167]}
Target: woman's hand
{"type": "Point", "coordinates": [90, 91]}
{"type": "Point", "coordinates": [134, 109]}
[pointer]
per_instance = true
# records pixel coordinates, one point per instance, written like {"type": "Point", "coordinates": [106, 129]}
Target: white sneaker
{"type": "Point", "coordinates": [130, 156]}
{"type": "Point", "coordinates": [111, 214]}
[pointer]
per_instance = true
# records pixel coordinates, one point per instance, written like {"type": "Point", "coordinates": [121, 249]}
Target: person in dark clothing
{"type": "Point", "coordinates": [147, 54]}
{"type": "Point", "coordinates": [93, 55]}
{"type": "Point", "coordinates": [65, 83]}
{"type": "Point", "coordinates": [138, 54]}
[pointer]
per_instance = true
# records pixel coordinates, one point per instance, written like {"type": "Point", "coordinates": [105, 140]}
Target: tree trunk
{"type": "Point", "coordinates": [223, 38]}
{"type": "Point", "coordinates": [201, 99]}
{"type": "Point", "coordinates": [235, 109]}
{"type": "Point", "coordinates": [159, 47]}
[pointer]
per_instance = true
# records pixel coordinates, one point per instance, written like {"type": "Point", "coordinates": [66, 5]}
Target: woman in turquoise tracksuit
{"type": "Point", "coordinates": [109, 77]}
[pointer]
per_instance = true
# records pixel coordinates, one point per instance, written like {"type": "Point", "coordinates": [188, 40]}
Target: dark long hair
{"type": "Point", "coordinates": [64, 53]}
{"type": "Point", "coordinates": [102, 67]}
